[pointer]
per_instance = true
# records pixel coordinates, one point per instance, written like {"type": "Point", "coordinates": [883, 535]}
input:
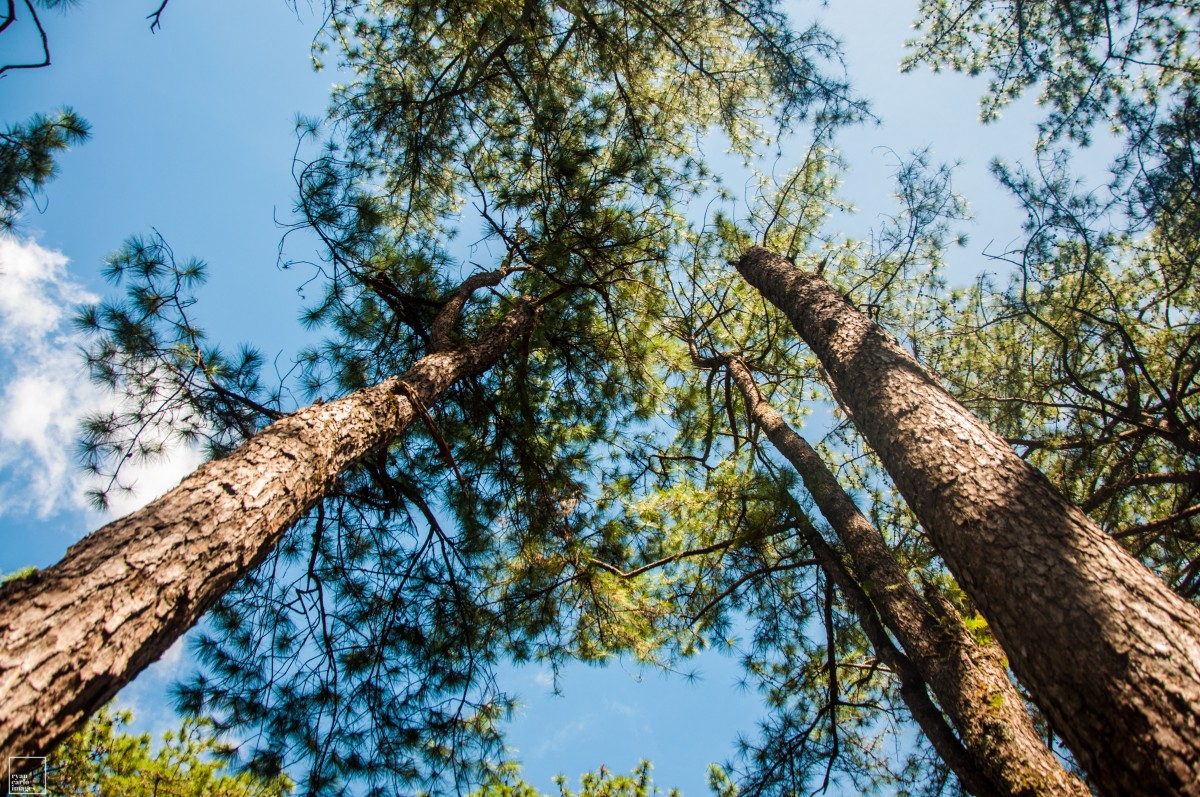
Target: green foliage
{"type": "Point", "coordinates": [363, 647]}
{"type": "Point", "coordinates": [600, 491]}
{"type": "Point", "coordinates": [175, 388]}
{"type": "Point", "coordinates": [1111, 62]}
{"type": "Point", "coordinates": [1086, 360]}
{"type": "Point", "coordinates": [433, 81]}
{"type": "Point", "coordinates": [712, 531]}
{"type": "Point", "coordinates": [1087, 363]}
{"type": "Point", "coordinates": [572, 523]}
{"type": "Point", "coordinates": [27, 153]}
{"type": "Point", "coordinates": [17, 575]}
{"type": "Point", "coordinates": [507, 782]}
{"type": "Point", "coordinates": [100, 759]}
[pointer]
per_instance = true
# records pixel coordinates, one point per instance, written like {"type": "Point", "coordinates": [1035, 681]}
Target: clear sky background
{"type": "Point", "coordinates": [192, 135]}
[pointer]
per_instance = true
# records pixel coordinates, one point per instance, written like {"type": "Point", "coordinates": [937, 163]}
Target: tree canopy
{"type": "Point", "coordinates": [101, 759]}
{"type": "Point", "coordinates": [27, 152]}
{"type": "Point", "coordinates": [604, 486]}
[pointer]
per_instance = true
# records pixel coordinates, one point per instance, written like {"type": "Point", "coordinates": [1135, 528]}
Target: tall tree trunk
{"type": "Point", "coordinates": [913, 690]}
{"type": "Point", "coordinates": [968, 678]}
{"type": "Point", "coordinates": [1110, 654]}
{"type": "Point", "coordinates": [72, 635]}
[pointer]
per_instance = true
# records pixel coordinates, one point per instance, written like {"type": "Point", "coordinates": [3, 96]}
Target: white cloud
{"type": "Point", "coordinates": [37, 293]}
{"type": "Point", "coordinates": [152, 480]}
{"type": "Point", "coordinates": [567, 736]}
{"type": "Point", "coordinates": [144, 696]}
{"type": "Point", "coordinates": [44, 387]}
{"type": "Point", "coordinates": [44, 391]}
{"type": "Point", "coordinates": [617, 707]}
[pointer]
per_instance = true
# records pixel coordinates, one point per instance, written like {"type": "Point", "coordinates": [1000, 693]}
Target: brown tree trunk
{"type": "Point", "coordinates": [969, 679]}
{"type": "Point", "coordinates": [72, 635]}
{"type": "Point", "coordinates": [1110, 654]}
{"type": "Point", "coordinates": [913, 690]}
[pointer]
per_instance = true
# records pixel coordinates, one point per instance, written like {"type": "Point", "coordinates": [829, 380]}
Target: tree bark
{"type": "Point", "coordinates": [72, 635]}
{"type": "Point", "coordinates": [969, 679]}
{"type": "Point", "coordinates": [1110, 654]}
{"type": "Point", "coordinates": [913, 690]}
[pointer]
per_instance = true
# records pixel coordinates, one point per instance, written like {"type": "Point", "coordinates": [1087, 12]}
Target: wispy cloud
{"type": "Point", "coordinates": [623, 709]}
{"type": "Point", "coordinates": [567, 736]}
{"type": "Point", "coordinates": [45, 388]}
{"type": "Point", "coordinates": [44, 391]}
{"type": "Point", "coordinates": [145, 696]}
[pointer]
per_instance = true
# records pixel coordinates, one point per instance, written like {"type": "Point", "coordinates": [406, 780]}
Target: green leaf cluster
{"type": "Point", "coordinates": [27, 158]}
{"type": "Point", "coordinates": [1095, 62]}
{"type": "Point", "coordinates": [507, 782]}
{"type": "Point", "coordinates": [600, 491]}
{"type": "Point", "coordinates": [101, 759]}
{"type": "Point", "coordinates": [174, 387]}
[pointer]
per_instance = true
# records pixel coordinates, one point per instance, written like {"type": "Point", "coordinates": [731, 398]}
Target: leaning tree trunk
{"type": "Point", "coordinates": [72, 635]}
{"type": "Point", "coordinates": [1110, 654]}
{"type": "Point", "coordinates": [913, 692]}
{"type": "Point", "coordinates": [969, 679]}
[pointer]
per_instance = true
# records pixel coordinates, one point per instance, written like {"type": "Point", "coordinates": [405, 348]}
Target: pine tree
{"type": "Point", "coordinates": [1126, 63]}
{"type": "Point", "coordinates": [27, 154]}
{"type": "Point", "coordinates": [1059, 605]}
{"type": "Point", "coordinates": [539, 510]}
{"type": "Point", "coordinates": [138, 583]}
{"type": "Point", "coordinates": [507, 782]}
{"type": "Point", "coordinates": [1006, 754]}
{"type": "Point", "coordinates": [573, 151]}
{"type": "Point", "coordinates": [101, 759]}
{"type": "Point", "coordinates": [1110, 418]}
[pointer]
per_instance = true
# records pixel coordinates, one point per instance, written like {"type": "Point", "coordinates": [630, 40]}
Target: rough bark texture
{"type": "Point", "coordinates": [72, 635]}
{"type": "Point", "coordinates": [969, 679]}
{"type": "Point", "coordinates": [1110, 654]}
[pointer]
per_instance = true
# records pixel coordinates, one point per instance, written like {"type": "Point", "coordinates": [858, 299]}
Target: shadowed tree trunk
{"type": "Point", "coordinates": [968, 678]}
{"type": "Point", "coordinates": [72, 635]}
{"type": "Point", "coordinates": [912, 682]}
{"type": "Point", "coordinates": [1110, 654]}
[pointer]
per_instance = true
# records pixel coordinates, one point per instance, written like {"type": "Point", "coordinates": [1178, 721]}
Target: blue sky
{"type": "Point", "coordinates": [193, 133]}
